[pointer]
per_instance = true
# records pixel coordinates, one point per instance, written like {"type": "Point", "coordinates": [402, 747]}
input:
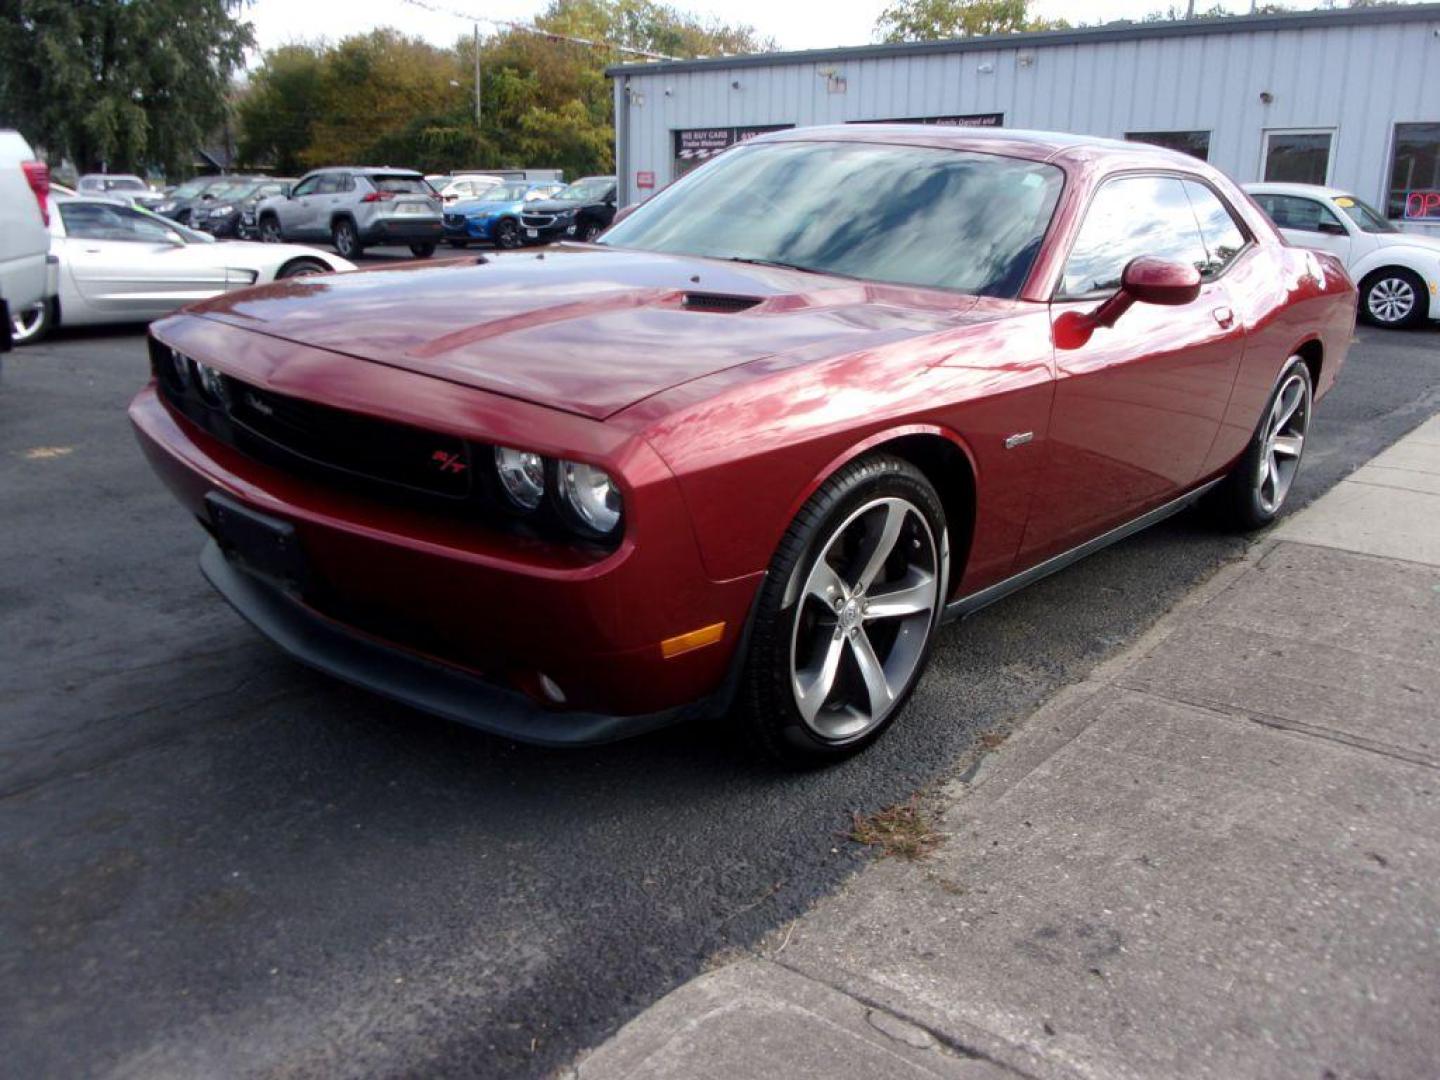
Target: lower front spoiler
{"type": "Point", "coordinates": [419, 682]}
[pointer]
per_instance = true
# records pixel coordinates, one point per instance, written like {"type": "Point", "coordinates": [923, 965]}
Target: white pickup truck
{"type": "Point", "coordinates": [24, 235]}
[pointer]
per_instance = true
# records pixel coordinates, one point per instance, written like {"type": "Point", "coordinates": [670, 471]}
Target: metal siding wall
{"type": "Point", "coordinates": [1358, 80]}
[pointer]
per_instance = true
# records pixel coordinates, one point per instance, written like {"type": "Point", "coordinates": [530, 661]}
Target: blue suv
{"type": "Point", "coordinates": [495, 217]}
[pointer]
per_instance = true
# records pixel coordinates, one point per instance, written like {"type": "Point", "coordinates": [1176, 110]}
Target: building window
{"type": "Point", "coordinates": [1415, 173]}
{"type": "Point", "coordinates": [1194, 143]}
{"type": "Point", "coordinates": [1297, 157]}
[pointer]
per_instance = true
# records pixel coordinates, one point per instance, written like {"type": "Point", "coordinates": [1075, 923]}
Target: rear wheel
{"type": "Point", "coordinates": [302, 268]}
{"type": "Point", "coordinates": [1254, 492]}
{"type": "Point", "coordinates": [345, 239]}
{"type": "Point", "coordinates": [1393, 297]}
{"type": "Point", "coordinates": [507, 233]}
{"type": "Point", "coordinates": [422, 251]}
{"type": "Point", "coordinates": [30, 326]}
{"type": "Point", "coordinates": [847, 613]}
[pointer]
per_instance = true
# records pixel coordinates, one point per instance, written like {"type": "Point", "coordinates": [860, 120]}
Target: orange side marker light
{"type": "Point", "coordinates": [695, 639]}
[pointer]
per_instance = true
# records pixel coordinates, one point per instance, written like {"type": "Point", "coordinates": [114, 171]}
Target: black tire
{"type": "Point", "coordinates": [458, 243]}
{"type": "Point", "coordinates": [1240, 501]}
{"type": "Point", "coordinates": [769, 690]}
{"type": "Point", "coordinates": [28, 327]}
{"type": "Point", "coordinates": [507, 234]}
{"type": "Point", "coordinates": [345, 239]}
{"type": "Point", "coordinates": [422, 251]}
{"type": "Point", "coordinates": [584, 231]}
{"type": "Point", "coordinates": [1394, 297]}
{"type": "Point", "coordinates": [270, 230]}
{"type": "Point", "coordinates": [302, 268]}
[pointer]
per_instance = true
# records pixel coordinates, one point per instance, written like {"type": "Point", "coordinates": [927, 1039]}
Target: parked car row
{"type": "Point", "coordinates": [520, 213]}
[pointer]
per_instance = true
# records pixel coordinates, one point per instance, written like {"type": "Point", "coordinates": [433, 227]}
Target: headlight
{"type": "Point", "coordinates": [566, 214]}
{"type": "Point", "coordinates": [181, 369]}
{"type": "Point", "coordinates": [221, 211]}
{"type": "Point", "coordinates": [590, 495]}
{"type": "Point", "coordinates": [522, 475]}
{"type": "Point", "coordinates": [165, 207]}
{"type": "Point", "coordinates": [212, 385]}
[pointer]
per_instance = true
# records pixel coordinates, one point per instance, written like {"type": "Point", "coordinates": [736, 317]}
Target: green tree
{"type": "Point", "coordinates": [277, 111]}
{"type": "Point", "coordinates": [937, 20]}
{"type": "Point", "coordinates": [127, 84]}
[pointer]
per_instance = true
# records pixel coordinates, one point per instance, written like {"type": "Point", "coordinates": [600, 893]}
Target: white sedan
{"type": "Point", "coordinates": [1398, 273]}
{"type": "Point", "coordinates": [117, 264]}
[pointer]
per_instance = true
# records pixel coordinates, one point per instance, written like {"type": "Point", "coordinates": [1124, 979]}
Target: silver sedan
{"type": "Point", "coordinates": [117, 264]}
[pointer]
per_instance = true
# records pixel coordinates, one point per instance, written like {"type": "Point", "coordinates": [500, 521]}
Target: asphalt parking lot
{"type": "Point", "coordinates": [217, 862]}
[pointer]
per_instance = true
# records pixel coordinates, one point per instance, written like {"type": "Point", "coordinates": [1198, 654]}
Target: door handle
{"type": "Point", "coordinates": [1225, 317]}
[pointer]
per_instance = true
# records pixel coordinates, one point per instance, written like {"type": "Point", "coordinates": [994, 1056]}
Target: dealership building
{"type": "Point", "coordinates": [1349, 98]}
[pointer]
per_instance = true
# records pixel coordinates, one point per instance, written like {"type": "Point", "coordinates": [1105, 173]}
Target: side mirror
{"type": "Point", "coordinates": [1145, 280]}
{"type": "Point", "coordinates": [1330, 228]}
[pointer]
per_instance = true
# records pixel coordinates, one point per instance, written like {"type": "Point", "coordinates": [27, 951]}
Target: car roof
{"type": "Point", "coordinates": [383, 170]}
{"type": "Point", "coordinates": [1014, 142]}
{"type": "Point", "coordinates": [1275, 187]}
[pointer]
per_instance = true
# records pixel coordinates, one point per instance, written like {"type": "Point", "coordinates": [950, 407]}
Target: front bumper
{"type": "Point", "coordinates": [422, 683]}
{"type": "Point", "coordinates": [221, 226]}
{"type": "Point", "coordinates": [468, 228]}
{"type": "Point", "coordinates": [449, 595]}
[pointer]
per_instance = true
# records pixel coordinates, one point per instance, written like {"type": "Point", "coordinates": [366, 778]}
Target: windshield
{"type": "Point", "coordinates": [908, 215]}
{"type": "Point", "coordinates": [232, 191]}
{"type": "Point", "coordinates": [1363, 215]}
{"type": "Point", "coordinates": [125, 183]}
{"type": "Point", "coordinates": [189, 189]}
{"type": "Point", "coordinates": [586, 191]}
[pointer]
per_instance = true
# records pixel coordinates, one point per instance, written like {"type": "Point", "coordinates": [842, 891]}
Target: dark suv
{"type": "Point", "coordinates": [583, 209]}
{"type": "Point", "coordinates": [354, 208]}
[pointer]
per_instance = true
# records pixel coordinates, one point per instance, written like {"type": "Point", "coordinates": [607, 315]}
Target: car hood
{"type": "Point", "coordinates": [481, 206]}
{"type": "Point", "coordinates": [1408, 239]}
{"type": "Point", "coordinates": [557, 206]}
{"type": "Point", "coordinates": [584, 330]}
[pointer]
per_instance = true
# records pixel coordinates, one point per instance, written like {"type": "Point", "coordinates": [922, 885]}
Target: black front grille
{"type": "Point", "coordinates": [537, 221]}
{"type": "Point", "coordinates": [373, 449]}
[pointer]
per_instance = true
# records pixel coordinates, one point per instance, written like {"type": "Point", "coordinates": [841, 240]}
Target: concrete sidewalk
{"type": "Point", "coordinates": [1217, 857]}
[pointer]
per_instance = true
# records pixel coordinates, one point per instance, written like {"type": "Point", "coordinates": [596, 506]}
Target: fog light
{"type": "Point", "coordinates": [552, 689]}
{"type": "Point", "coordinates": [212, 385]}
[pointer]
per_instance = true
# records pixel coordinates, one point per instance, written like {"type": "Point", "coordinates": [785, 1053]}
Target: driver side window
{"type": "Point", "coordinates": [91, 221]}
{"type": "Point", "coordinates": [1132, 216]}
{"type": "Point", "coordinates": [306, 186]}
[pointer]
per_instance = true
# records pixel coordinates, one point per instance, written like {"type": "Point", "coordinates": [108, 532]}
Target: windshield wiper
{"type": "Point", "coordinates": [777, 264]}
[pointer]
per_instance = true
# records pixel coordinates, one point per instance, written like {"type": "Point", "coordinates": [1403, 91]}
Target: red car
{"type": "Point", "coordinates": [750, 450]}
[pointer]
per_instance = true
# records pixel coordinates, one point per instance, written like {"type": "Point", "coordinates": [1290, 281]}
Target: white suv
{"type": "Point", "coordinates": [354, 208]}
{"type": "Point", "coordinates": [1398, 273]}
{"type": "Point", "coordinates": [24, 236]}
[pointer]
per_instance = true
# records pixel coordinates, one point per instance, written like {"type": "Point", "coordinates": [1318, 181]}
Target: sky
{"type": "Point", "coordinates": [793, 25]}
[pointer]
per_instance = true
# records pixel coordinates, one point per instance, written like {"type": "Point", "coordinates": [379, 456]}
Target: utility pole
{"type": "Point", "coordinates": [477, 75]}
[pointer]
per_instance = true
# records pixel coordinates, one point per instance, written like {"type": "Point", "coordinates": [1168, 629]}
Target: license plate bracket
{"type": "Point", "coordinates": [261, 544]}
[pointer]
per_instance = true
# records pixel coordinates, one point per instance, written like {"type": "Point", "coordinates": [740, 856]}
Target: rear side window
{"type": "Point", "coordinates": [401, 185]}
{"type": "Point", "coordinates": [1296, 212]}
{"type": "Point", "coordinates": [1129, 217]}
{"type": "Point", "coordinates": [330, 184]}
{"type": "Point", "coordinates": [1224, 239]}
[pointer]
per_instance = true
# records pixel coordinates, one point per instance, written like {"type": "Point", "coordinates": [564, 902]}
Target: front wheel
{"type": "Point", "coordinates": [847, 613]}
{"type": "Point", "coordinates": [507, 234]}
{"type": "Point", "coordinates": [31, 325]}
{"type": "Point", "coordinates": [1393, 297]}
{"type": "Point", "coordinates": [422, 251]}
{"type": "Point", "coordinates": [302, 268]}
{"type": "Point", "coordinates": [270, 230]}
{"type": "Point", "coordinates": [1252, 495]}
{"type": "Point", "coordinates": [345, 239]}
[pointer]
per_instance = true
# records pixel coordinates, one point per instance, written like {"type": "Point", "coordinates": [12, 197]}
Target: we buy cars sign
{"type": "Point", "coordinates": [696, 145]}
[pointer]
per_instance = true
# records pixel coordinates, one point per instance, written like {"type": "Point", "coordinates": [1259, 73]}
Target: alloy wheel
{"type": "Point", "coordinates": [863, 619]}
{"type": "Point", "coordinates": [507, 234]}
{"type": "Point", "coordinates": [345, 239]}
{"type": "Point", "coordinates": [1391, 300]}
{"type": "Point", "coordinates": [1285, 432]}
{"type": "Point", "coordinates": [270, 231]}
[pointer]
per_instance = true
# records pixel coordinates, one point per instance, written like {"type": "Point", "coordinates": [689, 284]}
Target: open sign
{"type": "Point", "coordinates": [1420, 205]}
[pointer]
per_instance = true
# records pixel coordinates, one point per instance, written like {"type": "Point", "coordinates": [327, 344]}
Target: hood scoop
{"type": "Point", "coordinates": [718, 302]}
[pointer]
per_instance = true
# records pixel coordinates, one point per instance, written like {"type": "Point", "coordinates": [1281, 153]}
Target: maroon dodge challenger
{"type": "Point", "coordinates": [749, 451]}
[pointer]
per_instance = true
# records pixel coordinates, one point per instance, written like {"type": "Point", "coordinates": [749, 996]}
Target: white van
{"type": "Point", "coordinates": [24, 232]}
